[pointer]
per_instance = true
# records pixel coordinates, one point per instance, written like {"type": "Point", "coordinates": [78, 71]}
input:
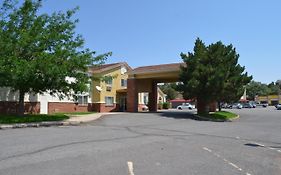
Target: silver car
{"type": "Point", "coordinates": [278, 107]}
{"type": "Point", "coordinates": [237, 106]}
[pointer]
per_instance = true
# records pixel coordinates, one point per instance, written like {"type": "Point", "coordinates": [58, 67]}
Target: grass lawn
{"type": "Point", "coordinates": [10, 119]}
{"type": "Point", "coordinates": [220, 115]}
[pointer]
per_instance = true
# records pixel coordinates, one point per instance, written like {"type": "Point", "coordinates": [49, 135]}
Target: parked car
{"type": "Point", "coordinates": [253, 104]}
{"type": "Point", "coordinates": [278, 107]}
{"type": "Point", "coordinates": [225, 105]}
{"type": "Point", "coordinates": [144, 108]}
{"type": "Point", "coordinates": [262, 105]}
{"type": "Point", "coordinates": [247, 105]}
{"type": "Point", "coordinates": [185, 106]}
{"type": "Point", "coordinates": [229, 106]}
{"type": "Point", "coordinates": [237, 106]}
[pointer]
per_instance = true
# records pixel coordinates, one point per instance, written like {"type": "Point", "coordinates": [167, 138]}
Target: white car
{"type": "Point", "coordinates": [186, 106]}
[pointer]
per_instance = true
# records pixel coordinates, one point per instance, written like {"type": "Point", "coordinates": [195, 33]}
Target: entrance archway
{"type": "Point", "coordinates": [145, 79]}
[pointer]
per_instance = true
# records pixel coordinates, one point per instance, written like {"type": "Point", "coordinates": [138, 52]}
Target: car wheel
{"type": "Point", "coordinates": [179, 108]}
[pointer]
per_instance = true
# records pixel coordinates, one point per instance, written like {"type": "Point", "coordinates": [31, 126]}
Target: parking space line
{"type": "Point", "coordinates": [225, 160]}
{"type": "Point", "coordinates": [267, 147]}
{"type": "Point", "coordinates": [130, 168]}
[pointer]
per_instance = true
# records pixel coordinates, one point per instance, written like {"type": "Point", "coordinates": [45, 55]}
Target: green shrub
{"type": "Point", "coordinates": [166, 105]}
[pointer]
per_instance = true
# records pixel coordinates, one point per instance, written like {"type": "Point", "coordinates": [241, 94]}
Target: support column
{"type": "Point", "coordinates": [132, 95]}
{"type": "Point", "coordinates": [152, 102]}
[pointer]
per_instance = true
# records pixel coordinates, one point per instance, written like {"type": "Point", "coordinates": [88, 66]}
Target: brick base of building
{"type": "Point", "coordinates": [7, 107]}
{"type": "Point", "coordinates": [101, 107]}
{"type": "Point", "coordinates": [59, 107]}
{"type": "Point", "coordinates": [56, 107]}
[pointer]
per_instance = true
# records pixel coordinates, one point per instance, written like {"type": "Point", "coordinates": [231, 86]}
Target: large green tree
{"type": "Point", "coordinates": [170, 89]}
{"type": "Point", "coordinates": [212, 73]}
{"type": "Point", "coordinates": [255, 88]}
{"type": "Point", "coordinates": [40, 52]}
{"type": "Point", "coordinates": [274, 88]}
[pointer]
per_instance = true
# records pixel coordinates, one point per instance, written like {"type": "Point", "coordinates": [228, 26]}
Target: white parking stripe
{"type": "Point", "coordinates": [207, 149]}
{"type": "Point", "coordinates": [225, 160]}
{"type": "Point", "coordinates": [267, 147]}
{"type": "Point", "coordinates": [130, 168]}
{"type": "Point", "coordinates": [259, 144]}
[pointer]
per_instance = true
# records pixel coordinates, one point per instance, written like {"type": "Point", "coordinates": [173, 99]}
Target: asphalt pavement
{"type": "Point", "coordinates": [164, 143]}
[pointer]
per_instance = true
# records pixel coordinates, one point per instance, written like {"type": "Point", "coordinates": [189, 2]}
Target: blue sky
{"type": "Point", "coordinates": [146, 32]}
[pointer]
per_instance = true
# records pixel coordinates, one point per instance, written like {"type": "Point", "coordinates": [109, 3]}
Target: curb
{"type": "Point", "coordinates": [31, 125]}
{"type": "Point", "coordinates": [45, 124]}
{"type": "Point", "coordinates": [217, 120]}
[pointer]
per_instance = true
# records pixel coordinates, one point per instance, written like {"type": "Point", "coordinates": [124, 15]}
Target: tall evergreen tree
{"type": "Point", "coordinates": [212, 73]}
{"type": "Point", "coordinates": [39, 51]}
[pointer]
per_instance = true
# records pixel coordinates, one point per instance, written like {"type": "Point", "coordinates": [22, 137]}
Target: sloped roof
{"type": "Point", "coordinates": [156, 68]}
{"type": "Point", "coordinates": [106, 67]}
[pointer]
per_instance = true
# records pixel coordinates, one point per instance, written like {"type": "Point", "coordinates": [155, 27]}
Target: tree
{"type": "Point", "coordinates": [257, 89]}
{"type": "Point", "coordinates": [274, 88]}
{"type": "Point", "coordinates": [212, 73]}
{"type": "Point", "coordinates": [170, 90]}
{"type": "Point", "coordinates": [278, 82]}
{"type": "Point", "coordinates": [39, 52]}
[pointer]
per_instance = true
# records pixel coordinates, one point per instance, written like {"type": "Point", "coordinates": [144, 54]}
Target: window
{"type": "Point", "coordinates": [123, 83]}
{"type": "Point", "coordinates": [109, 101]}
{"type": "Point", "coordinates": [108, 81]}
{"type": "Point", "coordinates": [82, 99]}
{"type": "Point", "coordinates": [145, 99]}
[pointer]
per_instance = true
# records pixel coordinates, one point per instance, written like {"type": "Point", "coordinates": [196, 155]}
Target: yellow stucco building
{"type": "Point", "coordinates": [270, 99]}
{"type": "Point", "coordinates": [109, 89]}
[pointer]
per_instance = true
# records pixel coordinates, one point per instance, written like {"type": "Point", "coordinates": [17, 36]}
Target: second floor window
{"type": "Point", "coordinates": [123, 83]}
{"type": "Point", "coordinates": [108, 81]}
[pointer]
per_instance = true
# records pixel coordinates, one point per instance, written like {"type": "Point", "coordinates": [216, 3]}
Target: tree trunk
{"type": "Point", "coordinates": [202, 107]}
{"type": "Point", "coordinates": [219, 104]}
{"type": "Point", "coordinates": [21, 103]}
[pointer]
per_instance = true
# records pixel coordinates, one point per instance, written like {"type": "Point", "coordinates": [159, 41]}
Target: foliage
{"type": "Point", "coordinates": [170, 89]}
{"type": "Point", "coordinates": [166, 105]}
{"type": "Point", "coordinates": [212, 74]}
{"type": "Point", "coordinates": [38, 52]}
{"type": "Point", "coordinates": [274, 88]}
{"type": "Point", "coordinates": [9, 119]}
{"type": "Point", "coordinates": [260, 89]}
{"type": "Point", "coordinates": [278, 82]}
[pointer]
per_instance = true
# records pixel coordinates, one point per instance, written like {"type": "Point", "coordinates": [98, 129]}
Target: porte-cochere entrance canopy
{"type": "Point", "coordinates": [145, 79]}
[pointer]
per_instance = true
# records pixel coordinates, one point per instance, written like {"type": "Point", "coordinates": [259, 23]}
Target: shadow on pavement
{"type": "Point", "coordinates": [252, 145]}
{"type": "Point", "coordinates": [180, 115]}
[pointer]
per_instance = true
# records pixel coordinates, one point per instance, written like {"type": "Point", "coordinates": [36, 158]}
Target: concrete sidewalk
{"type": "Point", "coordinates": [74, 120]}
{"type": "Point", "coordinates": [87, 117]}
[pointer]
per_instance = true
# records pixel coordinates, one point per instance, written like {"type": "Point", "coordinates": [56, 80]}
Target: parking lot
{"type": "Point", "coordinates": [164, 143]}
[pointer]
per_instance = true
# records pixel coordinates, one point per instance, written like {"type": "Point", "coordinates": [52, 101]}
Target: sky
{"type": "Point", "coordinates": [149, 32]}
